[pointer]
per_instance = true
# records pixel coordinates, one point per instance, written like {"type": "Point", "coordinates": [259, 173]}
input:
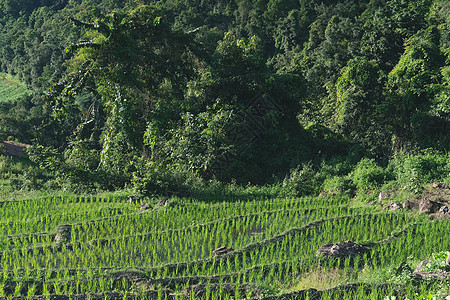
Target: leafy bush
{"type": "Point", "coordinates": [303, 181]}
{"type": "Point", "coordinates": [338, 184]}
{"type": "Point", "coordinates": [414, 170]}
{"type": "Point", "coordinates": [153, 178]}
{"type": "Point", "coordinates": [21, 174]}
{"type": "Point", "coordinates": [368, 174]}
{"type": "Point", "coordinates": [76, 170]}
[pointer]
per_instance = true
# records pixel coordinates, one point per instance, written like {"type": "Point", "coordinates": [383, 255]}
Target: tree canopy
{"type": "Point", "coordinates": [233, 90]}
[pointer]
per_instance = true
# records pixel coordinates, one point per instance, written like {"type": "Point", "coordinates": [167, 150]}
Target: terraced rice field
{"type": "Point", "coordinates": [10, 90]}
{"type": "Point", "coordinates": [106, 248]}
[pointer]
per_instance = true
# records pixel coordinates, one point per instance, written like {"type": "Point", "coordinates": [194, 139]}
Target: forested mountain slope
{"type": "Point", "coordinates": [233, 90]}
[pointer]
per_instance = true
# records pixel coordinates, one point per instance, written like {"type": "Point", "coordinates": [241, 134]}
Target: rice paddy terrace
{"type": "Point", "coordinates": [107, 248]}
{"type": "Point", "coordinates": [11, 89]}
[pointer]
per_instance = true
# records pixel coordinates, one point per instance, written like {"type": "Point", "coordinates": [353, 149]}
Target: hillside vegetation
{"type": "Point", "coordinates": [239, 91]}
{"type": "Point", "coordinates": [219, 144]}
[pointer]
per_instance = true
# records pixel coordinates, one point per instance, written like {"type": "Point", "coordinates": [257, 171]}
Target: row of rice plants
{"type": "Point", "coordinates": [19, 217]}
{"type": "Point", "coordinates": [189, 244]}
{"type": "Point", "coordinates": [13, 211]}
{"type": "Point", "coordinates": [273, 244]}
{"type": "Point", "coordinates": [141, 252]}
{"type": "Point", "coordinates": [252, 224]}
{"type": "Point", "coordinates": [49, 223]}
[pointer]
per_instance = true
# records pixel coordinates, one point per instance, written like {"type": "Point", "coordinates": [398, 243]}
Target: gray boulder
{"type": "Point", "coordinates": [422, 273]}
{"type": "Point", "coordinates": [64, 234]}
{"type": "Point", "coordinates": [440, 185]}
{"type": "Point", "coordinates": [428, 207]}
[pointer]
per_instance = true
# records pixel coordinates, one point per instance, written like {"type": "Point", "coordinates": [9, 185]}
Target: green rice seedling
{"type": "Point", "coordinates": [45, 289]}
{"type": "Point", "coordinates": [2, 289]}
{"type": "Point", "coordinates": [157, 244]}
{"type": "Point", "coordinates": [78, 287]}
{"type": "Point", "coordinates": [5, 266]}
{"type": "Point", "coordinates": [57, 288]}
{"type": "Point", "coordinates": [65, 288]}
{"type": "Point", "coordinates": [356, 266]}
{"type": "Point", "coordinates": [31, 291]}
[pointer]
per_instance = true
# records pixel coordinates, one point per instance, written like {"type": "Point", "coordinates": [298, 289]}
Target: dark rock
{"type": "Point", "coordinates": [222, 250]}
{"type": "Point", "coordinates": [164, 201]}
{"type": "Point", "coordinates": [443, 209]}
{"type": "Point", "coordinates": [13, 148]}
{"type": "Point", "coordinates": [421, 266]}
{"type": "Point", "coordinates": [394, 206]}
{"type": "Point", "coordinates": [410, 204]}
{"type": "Point", "coordinates": [422, 273]}
{"type": "Point", "coordinates": [437, 274]}
{"type": "Point", "coordinates": [200, 290]}
{"type": "Point", "coordinates": [64, 234]}
{"type": "Point", "coordinates": [403, 268]}
{"type": "Point", "coordinates": [428, 207]}
{"type": "Point", "coordinates": [341, 249]}
{"type": "Point", "coordinates": [144, 206]}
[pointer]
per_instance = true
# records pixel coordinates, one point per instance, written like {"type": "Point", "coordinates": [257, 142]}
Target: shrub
{"type": "Point", "coordinates": [76, 170]}
{"type": "Point", "coordinates": [414, 170]}
{"type": "Point", "coordinates": [336, 166]}
{"type": "Point", "coordinates": [368, 174]}
{"type": "Point", "coordinates": [302, 181]}
{"type": "Point", "coordinates": [153, 178]}
{"type": "Point", "coordinates": [338, 184]}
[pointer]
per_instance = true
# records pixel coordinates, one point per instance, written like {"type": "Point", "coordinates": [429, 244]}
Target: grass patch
{"type": "Point", "coordinates": [319, 279]}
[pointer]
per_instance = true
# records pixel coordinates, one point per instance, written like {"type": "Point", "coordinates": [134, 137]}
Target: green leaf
{"type": "Point", "coordinates": [156, 21]}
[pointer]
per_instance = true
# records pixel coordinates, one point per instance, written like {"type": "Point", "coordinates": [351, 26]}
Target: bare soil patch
{"type": "Point", "coordinates": [14, 149]}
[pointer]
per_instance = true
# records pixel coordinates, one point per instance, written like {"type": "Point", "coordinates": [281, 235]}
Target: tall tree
{"type": "Point", "coordinates": [412, 85]}
{"type": "Point", "coordinates": [127, 64]}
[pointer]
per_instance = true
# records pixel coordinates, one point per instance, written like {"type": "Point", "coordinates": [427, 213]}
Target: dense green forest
{"type": "Point", "coordinates": [159, 95]}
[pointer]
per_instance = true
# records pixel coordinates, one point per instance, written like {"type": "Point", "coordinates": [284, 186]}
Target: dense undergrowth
{"type": "Point", "coordinates": [404, 173]}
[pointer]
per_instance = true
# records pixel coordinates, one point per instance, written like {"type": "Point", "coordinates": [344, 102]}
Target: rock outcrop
{"type": "Point", "coordinates": [13, 148]}
{"type": "Point", "coordinates": [422, 272]}
{"type": "Point", "coordinates": [408, 204]}
{"type": "Point", "coordinates": [64, 234]}
{"type": "Point", "coordinates": [444, 210]}
{"type": "Point", "coordinates": [341, 249]}
{"type": "Point", "coordinates": [440, 185]}
{"type": "Point", "coordinates": [382, 196]}
{"type": "Point", "coordinates": [428, 207]}
{"type": "Point", "coordinates": [393, 206]}
{"type": "Point", "coordinates": [144, 206]}
{"type": "Point", "coordinates": [222, 250]}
